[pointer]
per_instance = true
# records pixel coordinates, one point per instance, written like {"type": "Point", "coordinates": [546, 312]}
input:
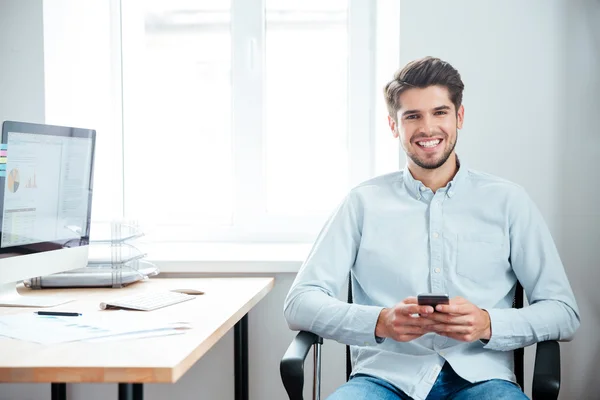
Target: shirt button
{"type": "Point", "coordinates": [366, 343]}
{"type": "Point", "coordinates": [442, 353]}
{"type": "Point", "coordinates": [423, 188]}
{"type": "Point", "coordinates": [437, 270]}
{"type": "Point", "coordinates": [435, 235]}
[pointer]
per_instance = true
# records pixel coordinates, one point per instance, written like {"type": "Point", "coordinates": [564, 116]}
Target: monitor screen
{"type": "Point", "coordinates": [45, 187]}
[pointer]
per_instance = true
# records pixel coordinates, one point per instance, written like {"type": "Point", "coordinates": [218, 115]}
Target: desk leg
{"type": "Point", "coordinates": [59, 391]}
{"type": "Point", "coordinates": [131, 391]}
{"type": "Point", "coordinates": [241, 358]}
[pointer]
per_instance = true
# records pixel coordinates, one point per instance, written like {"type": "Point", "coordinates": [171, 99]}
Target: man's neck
{"type": "Point", "coordinates": [437, 178]}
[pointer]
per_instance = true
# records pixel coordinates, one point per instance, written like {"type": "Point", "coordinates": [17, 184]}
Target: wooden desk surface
{"type": "Point", "coordinates": [149, 360]}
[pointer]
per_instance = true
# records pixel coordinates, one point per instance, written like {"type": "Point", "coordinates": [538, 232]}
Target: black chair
{"type": "Point", "coordinates": [546, 374]}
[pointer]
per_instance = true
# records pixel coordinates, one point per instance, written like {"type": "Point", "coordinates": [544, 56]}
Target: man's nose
{"type": "Point", "coordinates": [427, 125]}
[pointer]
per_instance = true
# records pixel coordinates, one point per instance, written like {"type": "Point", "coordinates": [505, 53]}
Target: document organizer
{"type": "Point", "coordinates": [113, 261]}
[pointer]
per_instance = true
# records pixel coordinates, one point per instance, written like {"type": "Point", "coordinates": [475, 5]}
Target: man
{"type": "Point", "coordinates": [434, 227]}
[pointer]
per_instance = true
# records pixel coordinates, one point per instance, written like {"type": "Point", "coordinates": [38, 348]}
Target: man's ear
{"type": "Point", "coordinates": [460, 117]}
{"type": "Point", "coordinates": [393, 126]}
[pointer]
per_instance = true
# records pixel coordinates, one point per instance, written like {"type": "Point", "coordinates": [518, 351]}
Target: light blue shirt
{"type": "Point", "coordinates": [473, 238]}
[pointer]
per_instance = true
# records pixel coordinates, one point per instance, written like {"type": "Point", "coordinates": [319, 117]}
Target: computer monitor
{"type": "Point", "coordinates": [46, 175]}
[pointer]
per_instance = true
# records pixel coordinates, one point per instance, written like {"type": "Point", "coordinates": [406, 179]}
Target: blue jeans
{"type": "Point", "coordinates": [448, 386]}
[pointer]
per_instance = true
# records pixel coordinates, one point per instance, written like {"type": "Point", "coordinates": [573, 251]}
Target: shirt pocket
{"type": "Point", "coordinates": [481, 257]}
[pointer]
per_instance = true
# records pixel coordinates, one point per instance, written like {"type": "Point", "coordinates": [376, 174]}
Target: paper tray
{"type": "Point", "coordinates": [95, 277]}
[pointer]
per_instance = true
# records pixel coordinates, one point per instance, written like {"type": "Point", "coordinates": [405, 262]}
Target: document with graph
{"type": "Point", "coordinates": [55, 329]}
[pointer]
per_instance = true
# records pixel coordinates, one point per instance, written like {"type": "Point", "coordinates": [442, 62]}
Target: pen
{"type": "Point", "coordinates": [58, 313]}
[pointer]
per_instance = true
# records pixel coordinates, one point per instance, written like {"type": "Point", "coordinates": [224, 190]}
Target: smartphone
{"type": "Point", "coordinates": [432, 299]}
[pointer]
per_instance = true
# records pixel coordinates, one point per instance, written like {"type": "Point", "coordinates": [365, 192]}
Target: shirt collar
{"type": "Point", "coordinates": [415, 187]}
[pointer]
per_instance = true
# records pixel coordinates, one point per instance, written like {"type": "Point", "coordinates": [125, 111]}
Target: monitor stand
{"type": "Point", "coordinates": [9, 297]}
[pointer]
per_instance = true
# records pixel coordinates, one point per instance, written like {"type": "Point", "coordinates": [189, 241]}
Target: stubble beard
{"type": "Point", "coordinates": [434, 164]}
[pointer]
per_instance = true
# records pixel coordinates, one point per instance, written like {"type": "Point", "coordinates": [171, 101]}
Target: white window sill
{"type": "Point", "coordinates": [226, 257]}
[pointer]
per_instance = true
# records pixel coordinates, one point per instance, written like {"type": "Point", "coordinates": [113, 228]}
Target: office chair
{"type": "Point", "coordinates": [546, 374]}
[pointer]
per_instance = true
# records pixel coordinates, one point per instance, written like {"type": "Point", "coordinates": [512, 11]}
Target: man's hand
{"type": "Point", "coordinates": [402, 322]}
{"type": "Point", "coordinates": [460, 320]}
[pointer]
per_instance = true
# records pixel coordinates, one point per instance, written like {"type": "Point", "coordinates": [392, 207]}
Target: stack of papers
{"type": "Point", "coordinates": [57, 329]}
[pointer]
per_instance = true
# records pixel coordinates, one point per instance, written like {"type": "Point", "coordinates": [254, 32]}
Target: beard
{"type": "Point", "coordinates": [433, 164]}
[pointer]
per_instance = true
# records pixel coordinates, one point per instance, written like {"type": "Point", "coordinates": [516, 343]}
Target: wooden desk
{"type": "Point", "coordinates": [131, 363]}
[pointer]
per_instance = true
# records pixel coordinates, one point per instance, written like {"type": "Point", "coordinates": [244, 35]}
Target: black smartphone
{"type": "Point", "coordinates": [432, 299]}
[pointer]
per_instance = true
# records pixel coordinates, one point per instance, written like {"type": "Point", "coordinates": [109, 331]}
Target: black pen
{"type": "Point", "coordinates": [58, 313]}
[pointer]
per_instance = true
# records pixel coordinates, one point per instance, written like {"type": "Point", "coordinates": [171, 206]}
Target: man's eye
{"type": "Point", "coordinates": [411, 116]}
{"type": "Point", "coordinates": [441, 113]}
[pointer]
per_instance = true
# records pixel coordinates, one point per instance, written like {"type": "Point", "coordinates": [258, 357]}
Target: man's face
{"type": "Point", "coordinates": [427, 125]}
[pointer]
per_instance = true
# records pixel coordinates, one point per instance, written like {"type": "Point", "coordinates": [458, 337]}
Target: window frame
{"type": "Point", "coordinates": [251, 222]}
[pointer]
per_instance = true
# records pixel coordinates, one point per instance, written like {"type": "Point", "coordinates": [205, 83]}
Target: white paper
{"type": "Point", "coordinates": [55, 329]}
{"type": "Point", "coordinates": [137, 335]}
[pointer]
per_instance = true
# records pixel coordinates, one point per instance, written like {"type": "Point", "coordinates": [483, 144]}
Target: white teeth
{"type": "Point", "coordinates": [430, 143]}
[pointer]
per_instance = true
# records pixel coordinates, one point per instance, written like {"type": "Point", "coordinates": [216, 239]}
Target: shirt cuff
{"type": "Point", "coordinates": [503, 334]}
{"type": "Point", "coordinates": [365, 334]}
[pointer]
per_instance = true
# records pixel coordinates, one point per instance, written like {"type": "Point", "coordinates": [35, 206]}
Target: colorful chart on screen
{"type": "Point", "coordinates": [14, 180]}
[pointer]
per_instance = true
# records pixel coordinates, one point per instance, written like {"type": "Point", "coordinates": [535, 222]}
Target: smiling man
{"type": "Point", "coordinates": [434, 227]}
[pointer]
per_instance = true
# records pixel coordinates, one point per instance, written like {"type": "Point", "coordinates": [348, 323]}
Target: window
{"type": "Point", "coordinates": [306, 75]}
{"type": "Point", "coordinates": [177, 144]}
{"type": "Point", "coordinates": [249, 120]}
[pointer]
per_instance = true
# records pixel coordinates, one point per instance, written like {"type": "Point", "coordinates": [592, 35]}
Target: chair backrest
{"type": "Point", "coordinates": [518, 354]}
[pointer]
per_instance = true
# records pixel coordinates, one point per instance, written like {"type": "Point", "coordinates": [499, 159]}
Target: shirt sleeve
{"type": "Point", "coordinates": [553, 313]}
{"type": "Point", "coordinates": [312, 304]}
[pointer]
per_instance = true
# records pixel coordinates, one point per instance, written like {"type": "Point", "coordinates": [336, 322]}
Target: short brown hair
{"type": "Point", "coordinates": [422, 73]}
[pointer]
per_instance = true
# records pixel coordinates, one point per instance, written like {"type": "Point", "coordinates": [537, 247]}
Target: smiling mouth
{"type": "Point", "coordinates": [429, 144]}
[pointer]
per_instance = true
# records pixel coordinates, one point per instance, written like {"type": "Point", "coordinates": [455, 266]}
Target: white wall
{"type": "Point", "coordinates": [511, 58]}
{"type": "Point", "coordinates": [579, 191]}
{"type": "Point", "coordinates": [21, 95]}
{"type": "Point", "coordinates": [21, 61]}
{"type": "Point", "coordinates": [60, 65]}
{"type": "Point", "coordinates": [532, 74]}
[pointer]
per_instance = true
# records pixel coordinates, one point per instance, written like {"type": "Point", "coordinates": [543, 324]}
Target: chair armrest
{"type": "Point", "coordinates": [546, 373]}
{"type": "Point", "coordinates": [292, 363]}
